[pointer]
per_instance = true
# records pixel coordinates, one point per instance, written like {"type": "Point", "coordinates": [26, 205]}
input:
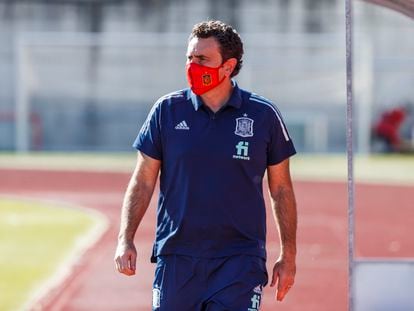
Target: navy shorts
{"type": "Point", "coordinates": [197, 284]}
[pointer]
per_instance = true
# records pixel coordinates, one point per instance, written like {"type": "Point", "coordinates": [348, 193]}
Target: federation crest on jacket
{"type": "Point", "coordinates": [244, 126]}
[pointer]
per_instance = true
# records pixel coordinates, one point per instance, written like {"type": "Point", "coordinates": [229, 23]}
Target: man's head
{"type": "Point", "coordinates": [229, 43]}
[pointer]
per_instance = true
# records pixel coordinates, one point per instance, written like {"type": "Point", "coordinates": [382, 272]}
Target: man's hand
{"type": "Point", "coordinates": [284, 276]}
{"type": "Point", "coordinates": [285, 214]}
{"type": "Point", "coordinates": [136, 200]}
{"type": "Point", "coordinates": [126, 258]}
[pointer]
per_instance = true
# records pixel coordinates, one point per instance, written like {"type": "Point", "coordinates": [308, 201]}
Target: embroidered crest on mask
{"type": "Point", "coordinates": [207, 79]}
{"type": "Point", "coordinates": [244, 126]}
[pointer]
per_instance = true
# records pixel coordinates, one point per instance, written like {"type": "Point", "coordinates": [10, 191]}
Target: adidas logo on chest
{"type": "Point", "coordinates": [182, 126]}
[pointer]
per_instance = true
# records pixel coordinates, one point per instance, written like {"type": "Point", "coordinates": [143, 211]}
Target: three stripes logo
{"type": "Point", "coordinates": [182, 126]}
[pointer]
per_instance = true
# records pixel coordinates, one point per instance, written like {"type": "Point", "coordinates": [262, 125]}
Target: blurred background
{"type": "Point", "coordinates": [81, 75]}
{"type": "Point", "coordinates": [77, 79]}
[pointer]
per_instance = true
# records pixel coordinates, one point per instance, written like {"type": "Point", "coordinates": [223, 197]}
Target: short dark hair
{"type": "Point", "coordinates": [227, 37]}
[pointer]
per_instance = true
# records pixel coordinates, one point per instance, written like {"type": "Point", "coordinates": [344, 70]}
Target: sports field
{"type": "Point", "coordinates": [383, 227]}
{"type": "Point", "coordinates": [35, 238]}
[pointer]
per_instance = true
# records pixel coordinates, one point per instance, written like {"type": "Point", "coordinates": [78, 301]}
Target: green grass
{"type": "Point", "coordinates": [34, 239]}
{"type": "Point", "coordinates": [91, 161]}
{"type": "Point", "coordinates": [385, 169]}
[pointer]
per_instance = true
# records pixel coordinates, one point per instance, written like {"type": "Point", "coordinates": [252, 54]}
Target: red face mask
{"type": "Point", "coordinates": [202, 79]}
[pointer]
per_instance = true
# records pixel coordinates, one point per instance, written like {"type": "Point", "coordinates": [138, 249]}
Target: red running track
{"type": "Point", "coordinates": [383, 216]}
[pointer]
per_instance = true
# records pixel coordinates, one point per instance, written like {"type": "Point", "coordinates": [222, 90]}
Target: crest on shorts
{"type": "Point", "coordinates": [206, 79]}
{"type": "Point", "coordinates": [244, 126]}
{"type": "Point", "coordinates": [156, 298]}
{"type": "Point", "coordinates": [258, 289]}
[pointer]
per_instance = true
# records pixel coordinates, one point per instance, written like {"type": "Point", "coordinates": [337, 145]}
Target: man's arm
{"type": "Point", "coordinates": [284, 211]}
{"type": "Point", "coordinates": [136, 201]}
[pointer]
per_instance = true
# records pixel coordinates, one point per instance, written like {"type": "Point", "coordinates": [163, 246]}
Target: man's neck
{"type": "Point", "coordinates": [218, 97]}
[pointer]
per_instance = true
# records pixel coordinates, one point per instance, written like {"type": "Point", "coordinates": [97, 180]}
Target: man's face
{"type": "Point", "coordinates": [204, 52]}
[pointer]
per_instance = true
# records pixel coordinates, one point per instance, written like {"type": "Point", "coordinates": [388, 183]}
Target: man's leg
{"type": "Point", "coordinates": [176, 284]}
{"type": "Point", "coordinates": [236, 284]}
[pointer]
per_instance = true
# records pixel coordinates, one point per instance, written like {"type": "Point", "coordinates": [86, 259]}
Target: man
{"type": "Point", "coordinates": [388, 130]}
{"type": "Point", "coordinates": [212, 143]}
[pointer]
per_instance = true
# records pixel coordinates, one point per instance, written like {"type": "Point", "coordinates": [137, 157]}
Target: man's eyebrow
{"type": "Point", "coordinates": [201, 56]}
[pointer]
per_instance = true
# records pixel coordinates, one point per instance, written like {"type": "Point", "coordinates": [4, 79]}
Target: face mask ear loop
{"type": "Point", "coordinates": [222, 66]}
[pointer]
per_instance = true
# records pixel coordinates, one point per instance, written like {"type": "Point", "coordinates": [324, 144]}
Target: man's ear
{"type": "Point", "coordinates": [229, 66]}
